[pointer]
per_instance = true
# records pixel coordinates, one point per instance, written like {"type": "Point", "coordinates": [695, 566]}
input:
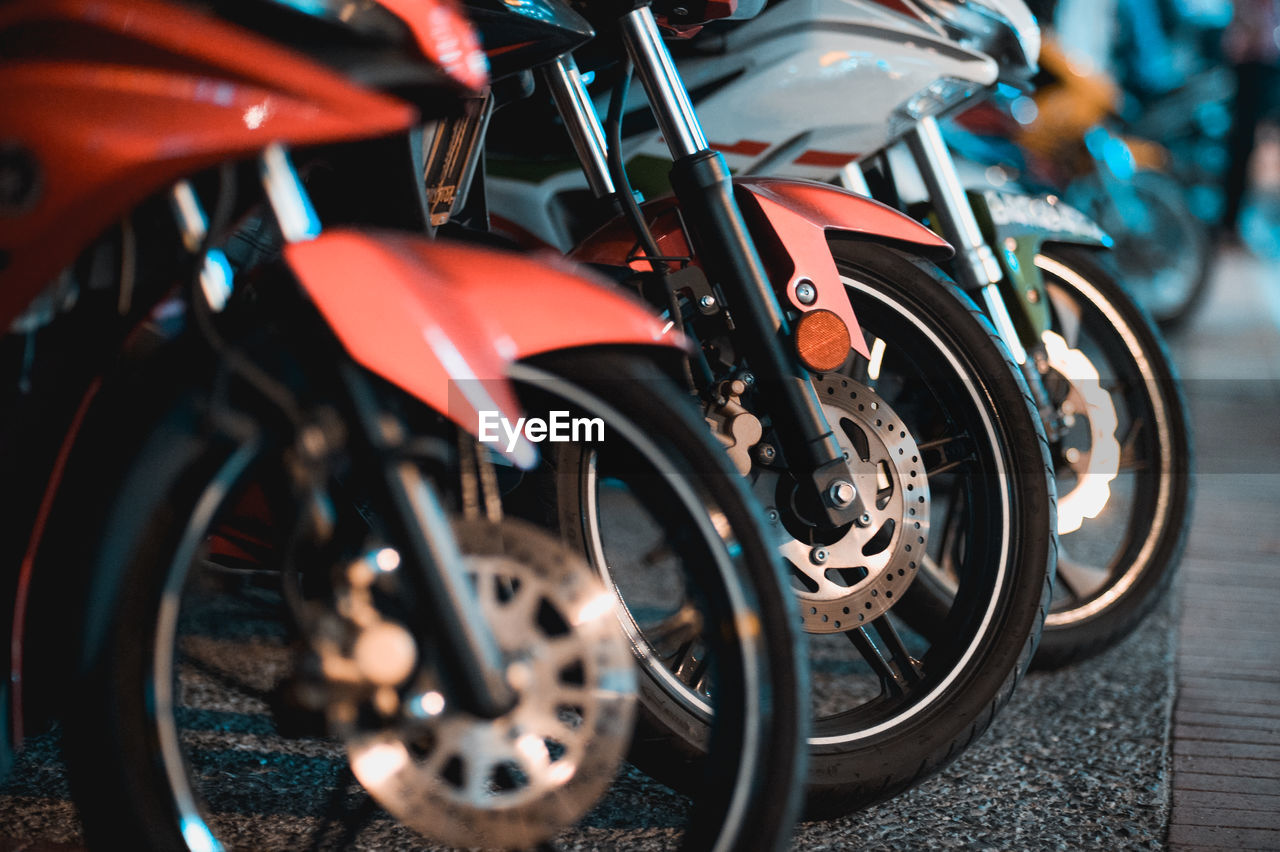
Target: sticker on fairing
{"type": "Point", "coordinates": [1045, 213]}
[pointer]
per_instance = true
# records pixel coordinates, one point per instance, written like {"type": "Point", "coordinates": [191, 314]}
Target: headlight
{"type": "Point", "coordinates": [1005, 30]}
{"type": "Point", "coordinates": [933, 100]}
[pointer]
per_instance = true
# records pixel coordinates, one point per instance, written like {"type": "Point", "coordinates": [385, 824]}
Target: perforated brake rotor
{"type": "Point", "coordinates": [1093, 454]}
{"type": "Point", "coordinates": [851, 580]}
{"type": "Point", "coordinates": [515, 781]}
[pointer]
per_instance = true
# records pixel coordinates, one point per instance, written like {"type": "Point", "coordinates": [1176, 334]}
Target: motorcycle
{"type": "Point", "coordinates": [809, 305]}
{"type": "Point", "coordinates": [1068, 138]}
{"type": "Point", "coordinates": [1105, 387]}
{"type": "Point", "coordinates": [269, 556]}
{"type": "Point", "coordinates": [1104, 384]}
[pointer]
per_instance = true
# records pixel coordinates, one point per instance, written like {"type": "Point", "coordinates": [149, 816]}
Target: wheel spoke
{"type": "Point", "coordinates": [908, 670]}
{"type": "Point", "coordinates": [950, 465]}
{"type": "Point", "coordinates": [945, 454]}
{"type": "Point", "coordinates": [858, 370]}
{"type": "Point", "coordinates": [679, 629]}
{"type": "Point", "coordinates": [693, 670]}
{"type": "Point", "coordinates": [890, 682]}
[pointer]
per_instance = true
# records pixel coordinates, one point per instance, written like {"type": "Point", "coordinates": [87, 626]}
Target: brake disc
{"type": "Point", "coordinates": [519, 779]}
{"type": "Point", "coordinates": [1089, 448]}
{"type": "Point", "coordinates": [863, 569]}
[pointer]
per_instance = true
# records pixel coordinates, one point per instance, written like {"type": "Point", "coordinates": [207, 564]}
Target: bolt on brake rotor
{"type": "Point", "coordinates": [853, 580]}
{"type": "Point", "coordinates": [1096, 463]}
{"type": "Point", "coordinates": [519, 779]}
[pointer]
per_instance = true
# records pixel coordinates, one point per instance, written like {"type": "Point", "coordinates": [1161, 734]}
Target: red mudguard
{"type": "Point", "coordinates": [789, 221]}
{"type": "Point", "coordinates": [444, 321]}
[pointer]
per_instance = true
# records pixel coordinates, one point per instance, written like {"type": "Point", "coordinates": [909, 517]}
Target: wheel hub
{"type": "Point", "coordinates": [519, 779]}
{"type": "Point", "coordinates": [857, 577]}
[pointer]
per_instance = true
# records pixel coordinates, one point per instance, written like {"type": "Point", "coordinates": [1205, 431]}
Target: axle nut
{"type": "Point", "coordinates": [842, 493]}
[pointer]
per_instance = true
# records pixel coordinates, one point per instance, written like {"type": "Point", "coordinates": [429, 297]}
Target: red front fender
{"type": "Point", "coordinates": [444, 321]}
{"type": "Point", "coordinates": [789, 220]}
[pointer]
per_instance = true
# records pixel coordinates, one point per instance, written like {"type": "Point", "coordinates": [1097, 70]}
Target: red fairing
{"type": "Point", "coordinates": [443, 321]}
{"type": "Point", "coordinates": [106, 102]}
{"type": "Point", "coordinates": [789, 221]}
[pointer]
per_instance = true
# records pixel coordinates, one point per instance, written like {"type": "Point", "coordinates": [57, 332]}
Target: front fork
{"type": "Point", "coordinates": [441, 599]}
{"type": "Point", "coordinates": [701, 181]}
{"type": "Point", "coordinates": [976, 265]}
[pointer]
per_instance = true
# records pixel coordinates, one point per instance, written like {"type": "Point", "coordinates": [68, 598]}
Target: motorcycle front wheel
{"type": "Point", "coordinates": [193, 723]}
{"type": "Point", "coordinates": [939, 410]}
{"type": "Point", "coordinates": [1123, 463]}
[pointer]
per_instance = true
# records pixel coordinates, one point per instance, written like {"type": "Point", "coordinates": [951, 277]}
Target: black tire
{"type": "Point", "coordinates": [882, 283]}
{"type": "Point", "coordinates": [761, 765]}
{"type": "Point", "coordinates": [1139, 541]}
{"type": "Point", "coordinates": [964, 690]}
{"type": "Point", "coordinates": [169, 486]}
{"type": "Point", "coordinates": [1166, 267]}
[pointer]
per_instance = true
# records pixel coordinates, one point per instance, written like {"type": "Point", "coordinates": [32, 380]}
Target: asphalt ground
{"type": "Point", "coordinates": [1078, 759]}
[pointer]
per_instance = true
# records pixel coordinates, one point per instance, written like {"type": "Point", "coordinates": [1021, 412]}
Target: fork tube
{"type": "Point", "coordinates": [580, 119]}
{"type": "Point", "coordinates": [438, 593]}
{"type": "Point", "coordinates": [667, 96]}
{"type": "Point", "coordinates": [977, 266]}
{"type": "Point", "coordinates": [702, 182]}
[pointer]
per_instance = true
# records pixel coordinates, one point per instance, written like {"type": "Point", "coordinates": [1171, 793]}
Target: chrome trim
{"type": "Point", "coordinates": [216, 273]}
{"type": "Point", "coordinates": [994, 305]}
{"type": "Point", "coordinates": [959, 226]}
{"type": "Point", "coordinates": [187, 209]}
{"type": "Point", "coordinates": [582, 122]}
{"type": "Point", "coordinates": [668, 97]}
{"type": "Point", "coordinates": [289, 200]}
{"type": "Point", "coordinates": [852, 179]}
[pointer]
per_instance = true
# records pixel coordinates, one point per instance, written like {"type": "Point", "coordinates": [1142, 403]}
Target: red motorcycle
{"type": "Point", "coordinates": [277, 548]}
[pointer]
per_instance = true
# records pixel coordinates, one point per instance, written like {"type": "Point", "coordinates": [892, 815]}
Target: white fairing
{"type": "Point", "coordinates": [808, 86]}
{"type": "Point", "coordinates": [818, 79]}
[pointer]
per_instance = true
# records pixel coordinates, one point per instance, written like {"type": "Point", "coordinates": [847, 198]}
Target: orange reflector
{"type": "Point", "coordinates": [822, 340]}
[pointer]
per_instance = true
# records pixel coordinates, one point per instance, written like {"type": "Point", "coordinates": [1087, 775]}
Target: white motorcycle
{"type": "Point", "coordinates": [848, 90]}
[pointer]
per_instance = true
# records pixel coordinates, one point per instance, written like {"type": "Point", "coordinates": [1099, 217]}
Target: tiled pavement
{"type": "Point", "coordinates": [1226, 722]}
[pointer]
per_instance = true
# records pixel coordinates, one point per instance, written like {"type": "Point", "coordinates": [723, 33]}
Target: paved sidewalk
{"type": "Point", "coordinates": [1226, 734]}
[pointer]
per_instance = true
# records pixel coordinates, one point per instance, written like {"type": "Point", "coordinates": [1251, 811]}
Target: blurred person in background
{"type": "Point", "coordinates": [1252, 46]}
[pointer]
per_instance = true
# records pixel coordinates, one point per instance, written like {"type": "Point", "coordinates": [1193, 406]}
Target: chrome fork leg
{"type": "Point", "coordinates": [852, 178]}
{"type": "Point", "coordinates": [580, 119]}
{"type": "Point", "coordinates": [702, 182]}
{"type": "Point", "coordinates": [976, 266]}
{"type": "Point", "coordinates": [667, 95]}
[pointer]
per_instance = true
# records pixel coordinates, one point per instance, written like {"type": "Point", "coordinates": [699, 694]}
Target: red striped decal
{"type": "Point", "coordinates": [746, 147]}
{"type": "Point", "coordinates": [814, 157]}
{"type": "Point", "coordinates": [897, 6]}
{"type": "Point", "coordinates": [507, 48]}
